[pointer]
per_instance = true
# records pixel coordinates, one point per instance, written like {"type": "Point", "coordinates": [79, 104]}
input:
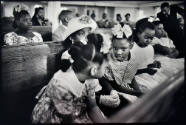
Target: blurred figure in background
{"type": "Point", "coordinates": [168, 16]}
{"type": "Point", "coordinates": [127, 20]}
{"type": "Point", "coordinates": [38, 19]}
{"type": "Point", "coordinates": [119, 19]}
{"type": "Point", "coordinates": [64, 17]}
{"type": "Point", "coordinates": [104, 22]}
{"type": "Point", "coordinates": [181, 23]}
{"type": "Point", "coordinates": [162, 43]}
{"type": "Point", "coordinates": [77, 15]}
{"type": "Point", "coordinates": [93, 15]}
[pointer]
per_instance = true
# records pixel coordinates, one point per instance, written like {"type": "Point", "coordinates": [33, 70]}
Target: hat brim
{"type": "Point", "coordinates": [75, 26]}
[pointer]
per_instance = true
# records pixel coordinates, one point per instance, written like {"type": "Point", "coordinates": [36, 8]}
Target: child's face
{"type": "Point", "coordinates": [159, 30]}
{"type": "Point", "coordinates": [121, 49]}
{"type": "Point", "coordinates": [25, 22]}
{"type": "Point", "coordinates": [145, 38]}
{"type": "Point", "coordinates": [100, 69]}
{"type": "Point", "coordinates": [82, 34]}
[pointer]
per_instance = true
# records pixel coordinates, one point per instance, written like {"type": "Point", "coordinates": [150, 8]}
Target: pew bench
{"type": "Point", "coordinates": [26, 69]}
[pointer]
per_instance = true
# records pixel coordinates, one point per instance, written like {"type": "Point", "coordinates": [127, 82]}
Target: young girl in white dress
{"type": "Point", "coordinates": [165, 67]}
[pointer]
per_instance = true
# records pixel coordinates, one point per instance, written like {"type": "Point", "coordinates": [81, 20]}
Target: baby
{"type": "Point", "coordinates": [162, 43]}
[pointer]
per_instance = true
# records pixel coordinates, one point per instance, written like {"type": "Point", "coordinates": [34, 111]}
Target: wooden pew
{"type": "Point", "coordinates": [162, 104]}
{"type": "Point", "coordinates": [27, 66]}
{"type": "Point", "coordinates": [45, 31]}
{"type": "Point", "coordinates": [24, 71]}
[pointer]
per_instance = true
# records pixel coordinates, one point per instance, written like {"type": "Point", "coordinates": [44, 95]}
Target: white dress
{"type": "Point", "coordinates": [13, 38]}
{"type": "Point", "coordinates": [164, 41]}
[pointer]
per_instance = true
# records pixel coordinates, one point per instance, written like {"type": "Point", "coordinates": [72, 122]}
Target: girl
{"type": "Point", "coordinates": [126, 60]}
{"type": "Point", "coordinates": [124, 64]}
{"type": "Point", "coordinates": [67, 98]}
{"type": "Point", "coordinates": [118, 80]}
{"type": "Point", "coordinates": [22, 34]}
{"type": "Point", "coordinates": [143, 37]}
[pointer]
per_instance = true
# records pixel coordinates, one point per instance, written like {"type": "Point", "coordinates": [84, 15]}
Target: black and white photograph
{"type": "Point", "coordinates": [92, 62]}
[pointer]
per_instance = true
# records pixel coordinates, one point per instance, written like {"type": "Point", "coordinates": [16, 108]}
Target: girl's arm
{"type": "Point", "coordinates": [161, 49]}
{"type": "Point", "coordinates": [93, 110]}
{"type": "Point", "coordinates": [106, 87]}
{"type": "Point", "coordinates": [95, 113]}
{"type": "Point", "coordinates": [146, 70]}
{"type": "Point", "coordinates": [126, 90]}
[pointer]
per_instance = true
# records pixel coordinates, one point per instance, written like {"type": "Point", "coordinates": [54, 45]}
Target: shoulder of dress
{"type": "Point", "coordinates": [10, 34]}
{"type": "Point", "coordinates": [36, 33]}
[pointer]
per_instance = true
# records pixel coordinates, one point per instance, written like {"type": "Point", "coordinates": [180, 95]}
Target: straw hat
{"type": "Point", "coordinates": [79, 23]}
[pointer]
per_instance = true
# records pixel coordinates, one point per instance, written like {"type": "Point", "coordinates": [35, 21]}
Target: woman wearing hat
{"type": "Point", "coordinates": [77, 30]}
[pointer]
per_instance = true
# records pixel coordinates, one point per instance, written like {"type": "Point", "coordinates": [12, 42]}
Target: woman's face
{"type": "Point", "coordinates": [145, 38]}
{"type": "Point", "coordinates": [25, 22]}
{"type": "Point", "coordinates": [121, 49]}
{"type": "Point", "coordinates": [82, 34]}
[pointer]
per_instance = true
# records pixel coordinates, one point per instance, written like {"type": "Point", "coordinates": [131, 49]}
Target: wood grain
{"type": "Point", "coordinates": [24, 67]}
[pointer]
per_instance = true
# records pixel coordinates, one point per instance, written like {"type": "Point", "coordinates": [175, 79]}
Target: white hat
{"type": "Point", "coordinates": [79, 23]}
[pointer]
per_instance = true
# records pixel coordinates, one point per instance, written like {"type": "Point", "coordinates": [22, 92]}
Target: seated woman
{"type": "Point", "coordinates": [67, 99]}
{"type": "Point", "coordinates": [162, 43]}
{"type": "Point", "coordinates": [22, 34]}
{"type": "Point", "coordinates": [77, 30]}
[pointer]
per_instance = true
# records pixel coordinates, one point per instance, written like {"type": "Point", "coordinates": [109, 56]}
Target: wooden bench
{"type": "Point", "coordinates": [45, 31]}
{"type": "Point", "coordinates": [26, 69]}
{"type": "Point", "coordinates": [26, 66]}
{"type": "Point", "coordinates": [164, 103]}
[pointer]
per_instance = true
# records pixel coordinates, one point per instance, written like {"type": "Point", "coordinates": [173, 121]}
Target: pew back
{"type": "Point", "coordinates": [23, 67]}
{"type": "Point", "coordinates": [45, 31]}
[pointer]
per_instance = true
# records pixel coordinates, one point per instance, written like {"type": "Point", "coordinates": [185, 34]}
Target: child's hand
{"type": "Point", "coordinates": [110, 100]}
{"type": "Point", "coordinates": [155, 64]}
{"type": "Point", "coordinates": [151, 71]}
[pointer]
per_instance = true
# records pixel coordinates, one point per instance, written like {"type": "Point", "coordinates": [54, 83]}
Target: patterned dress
{"type": "Point", "coordinates": [62, 100]}
{"type": "Point", "coordinates": [14, 39]}
{"type": "Point", "coordinates": [123, 72]}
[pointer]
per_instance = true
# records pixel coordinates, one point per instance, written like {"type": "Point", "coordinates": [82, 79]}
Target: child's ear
{"type": "Point", "coordinates": [131, 45]}
{"type": "Point", "coordinates": [66, 19]}
{"type": "Point", "coordinates": [93, 71]}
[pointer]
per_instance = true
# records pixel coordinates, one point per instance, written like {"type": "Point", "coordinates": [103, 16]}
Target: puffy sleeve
{"type": "Point", "coordinates": [108, 73]}
{"type": "Point", "coordinates": [61, 98]}
{"type": "Point", "coordinates": [10, 39]}
{"type": "Point", "coordinates": [171, 43]}
{"type": "Point", "coordinates": [155, 41]}
{"type": "Point", "coordinates": [38, 37]}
